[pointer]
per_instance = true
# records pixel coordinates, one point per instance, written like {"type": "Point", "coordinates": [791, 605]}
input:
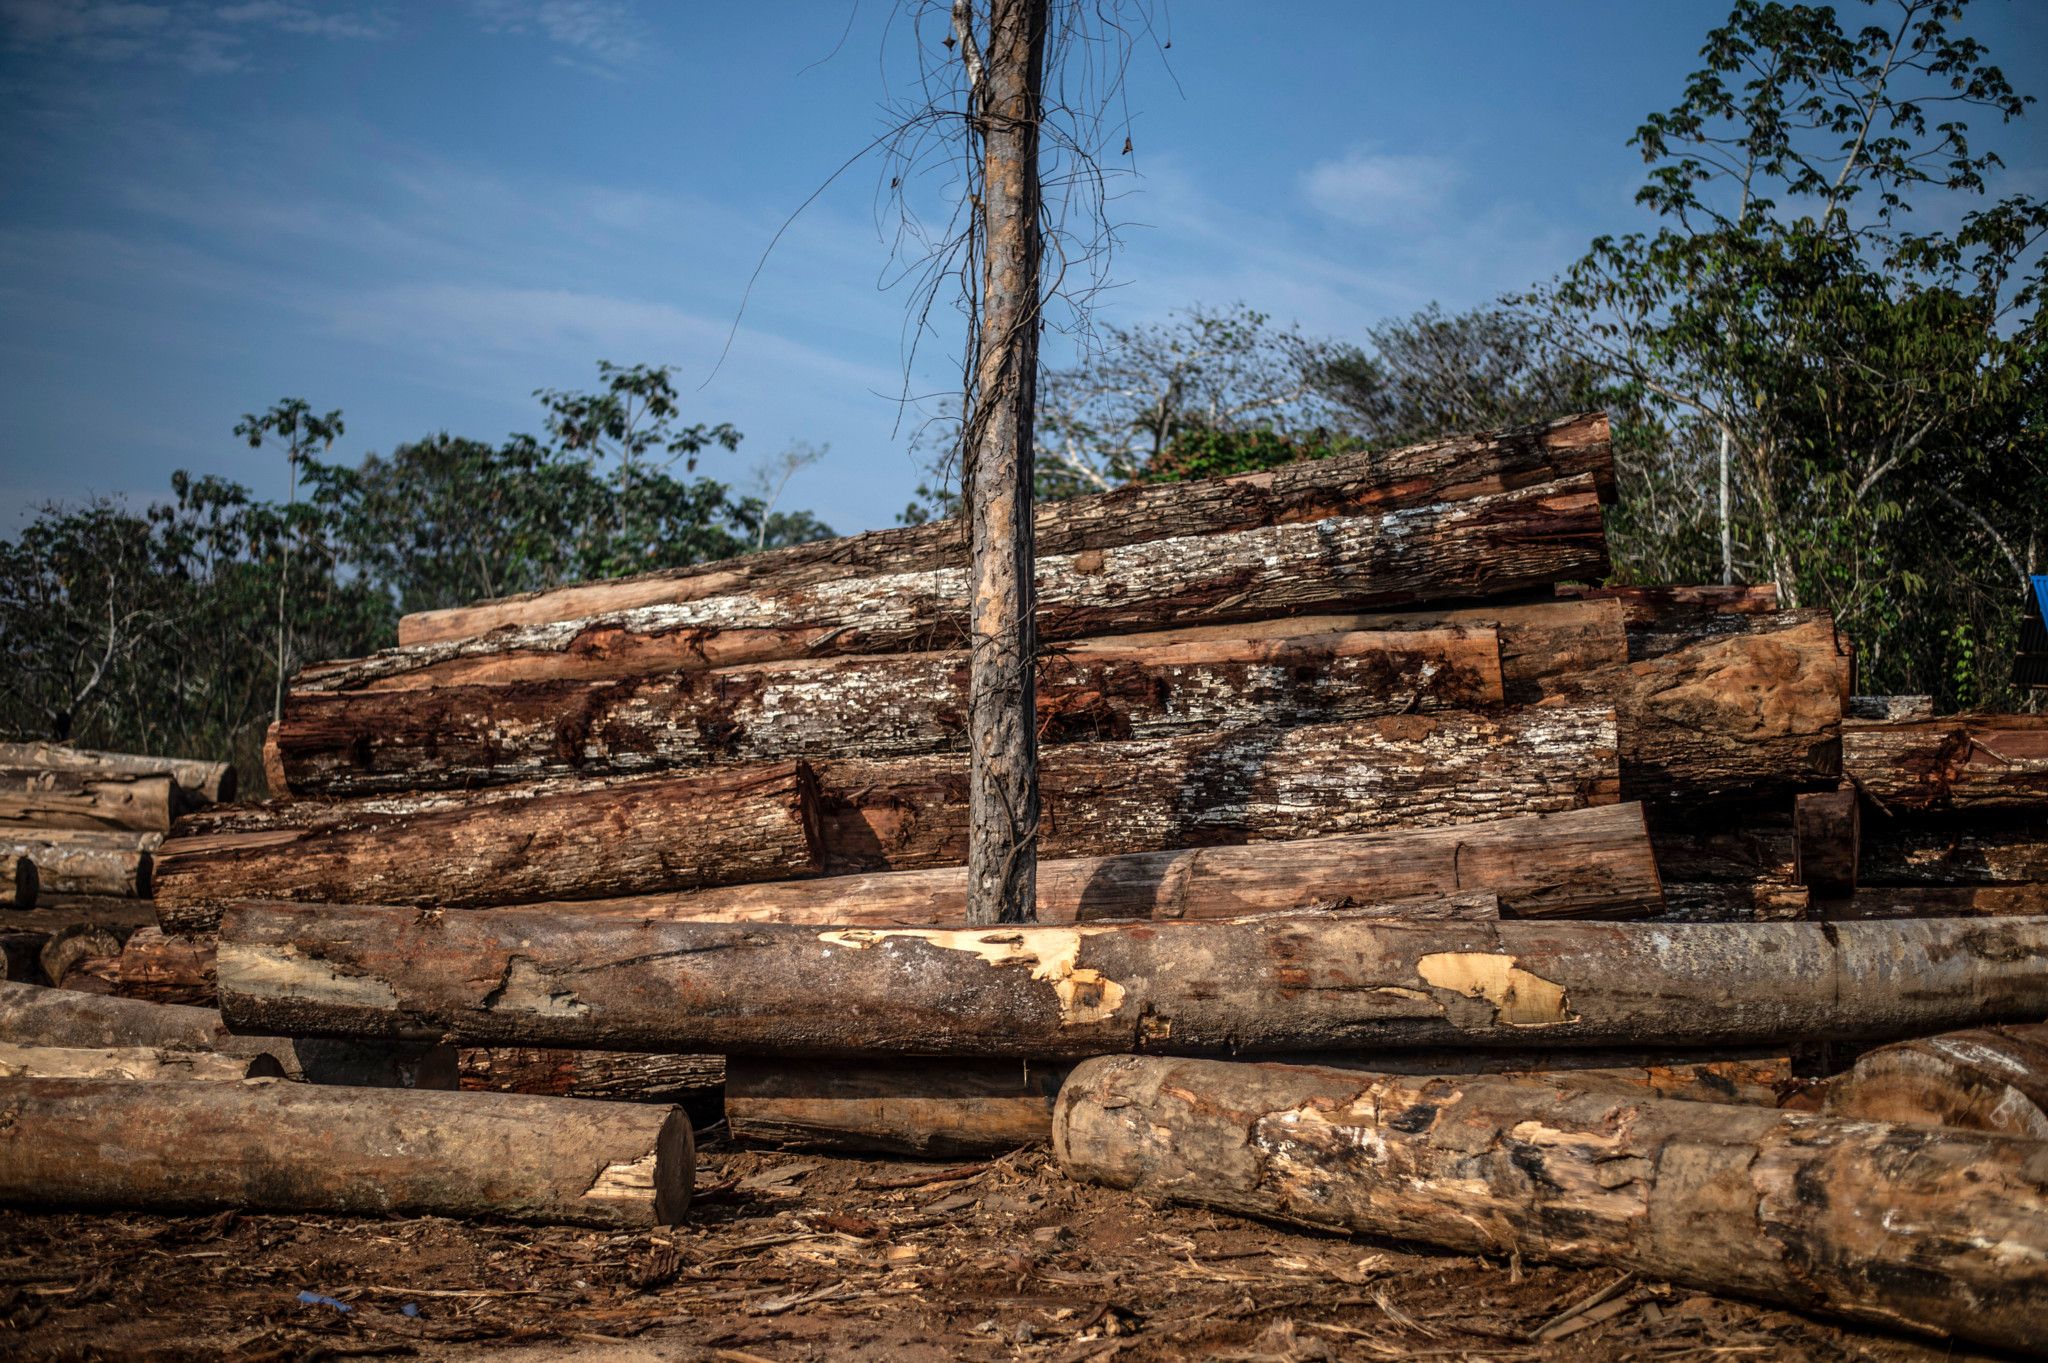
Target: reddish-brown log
{"type": "Point", "coordinates": [166, 968]}
{"type": "Point", "coordinates": [1965, 763]}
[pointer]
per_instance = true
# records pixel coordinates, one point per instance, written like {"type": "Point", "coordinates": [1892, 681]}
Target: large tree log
{"type": "Point", "coordinates": [1580, 863]}
{"type": "Point", "coordinates": [752, 823]}
{"type": "Point", "coordinates": [33, 1015]}
{"type": "Point", "coordinates": [165, 968]}
{"type": "Point", "coordinates": [1257, 985]}
{"type": "Point", "coordinates": [201, 782]}
{"type": "Point", "coordinates": [365, 742]}
{"type": "Point", "coordinates": [34, 797]}
{"type": "Point", "coordinates": [19, 881]}
{"type": "Point", "coordinates": [1984, 1079]}
{"type": "Point", "coordinates": [273, 1146]}
{"type": "Point", "coordinates": [1244, 785]}
{"type": "Point", "coordinates": [132, 1062]}
{"type": "Point", "coordinates": [76, 861]}
{"type": "Point", "coordinates": [1486, 547]}
{"type": "Point", "coordinates": [617, 1075]}
{"type": "Point", "coordinates": [1967, 763]}
{"type": "Point", "coordinates": [1963, 850]}
{"type": "Point", "coordinates": [1936, 1230]}
{"type": "Point", "coordinates": [1448, 470]}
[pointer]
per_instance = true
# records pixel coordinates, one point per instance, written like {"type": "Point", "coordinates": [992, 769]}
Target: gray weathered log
{"type": "Point", "coordinates": [1448, 470]}
{"type": "Point", "coordinates": [1964, 763]}
{"type": "Point", "coordinates": [202, 782]}
{"type": "Point", "coordinates": [269, 1145]}
{"type": "Point", "coordinates": [1901, 1226]}
{"type": "Point", "coordinates": [39, 797]}
{"type": "Point", "coordinates": [1487, 547]}
{"type": "Point", "coordinates": [1255, 985]}
{"type": "Point", "coordinates": [1982, 1079]}
{"type": "Point", "coordinates": [1890, 707]}
{"type": "Point", "coordinates": [132, 1062]}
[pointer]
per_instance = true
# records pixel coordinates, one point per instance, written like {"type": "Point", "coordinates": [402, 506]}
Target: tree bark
{"type": "Point", "coordinates": [1965, 763]}
{"type": "Point", "coordinates": [1949, 1234]}
{"type": "Point", "coordinates": [1582, 863]}
{"type": "Point", "coordinates": [1890, 707]}
{"type": "Point", "coordinates": [1454, 469]}
{"type": "Point", "coordinates": [80, 868]}
{"type": "Point", "coordinates": [1758, 901]}
{"type": "Point", "coordinates": [33, 1015]}
{"type": "Point", "coordinates": [753, 823]}
{"type": "Point", "coordinates": [1245, 785]}
{"type": "Point", "coordinates": [1487, 547]}
{"type": "Point", "coordinates": [1672, 607]}
{"type": "Point", "coordinates": [272, 1146]}
{"type": "Point", "coordinates": [166, 968]}
{"type": "Point", "coordinates": [19, 880]}
{"type": "Point", "coordinates": [202, 783]}
{"type": "Point", "coordinates": [1256, 985]}
{"type": "Point", "coordinates": [132, 1062]}
{"type": "Point", "coordinates": [353, 743]}
{"type": "Point", "coordinates": [32, 798]}
{"type": "Point", "coordinates": [1983, 1079]}
{"type": "Point", "coordinates": [1828, 829]}
{"type": "Point", "coordinates": [612, 1075]}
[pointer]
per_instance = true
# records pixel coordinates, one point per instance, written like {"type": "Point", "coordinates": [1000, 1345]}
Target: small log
{"type": "Point", "coordinates": [266, 1145]}
{"type": "Point", "coordinates": [1828, 831]}
{"type": "Point", "coordinates": [36, 797]}
{"type": "Point", "coordinates": [32, 1015]}
{"type": "Point", "coordinates": [19, 882]}
{"type": "Point", "coordinates": [366, 742]}
{"type": "Point", "coordinates": [1447, 470]}
{"type": "Point", "coordinates": [1942, 901]}
{"type": "Point", "coordinates": [1984, 1079]}
{"type": "Point", "coordinates": [203, 783]}
{"type": "Point", "coordinates": [1965, 763]}
{"type": "Point", "coordinates": [589, 840]}
{"type": "Point", "coordinates": [132, 1062]}
{"type": "Point", "coordinates": [1252, 985]}
{"type": "Point", "coordinates": [612, 1075]}
{"type": "Point", "coordinates": [1950, 1235]}
{"type": "Point", "coordinates": [1891, 708]}
{"type": "Point", "coordinates": [1472, 550]}
{"type": "Point", "coordinates": [1966, 850]}
{"type": "Point", "coordinates": [165, 968]}
{"type": "Point", "coordinates": [73, 867]}
{"type": "Point", "coordinates": [1674, 607]}
{"type": "Point", "coordinates": [82, 956]}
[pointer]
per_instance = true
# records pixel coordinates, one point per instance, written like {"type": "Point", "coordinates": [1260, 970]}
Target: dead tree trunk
{"type": "Point", "coordinates": [1984, 1079]}
{"type": "Point", "coordinates": [273, 1146]}
{"type": "Point", "coordinates": [203, 783]}
{"type": "Point", "coordinates": [1258, 985]}
{"type": "Point", "coordinates": [1951, 1235]}
{"type": "Point", "coordinates": [35, 797]}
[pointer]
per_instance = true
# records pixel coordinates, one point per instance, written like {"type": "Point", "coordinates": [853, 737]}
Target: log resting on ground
{"type": "Point", "coordinates": [132, 1062]}
{"type": "Point", "coordinates": [117, 868]}
{"type": "Point", "coordinates": [1487, 547]}
{"type": "Point", "coordinates": [201, 782]}
{"type": "Point", "coordinates": [35, 797]}
{"type": "Point", "coordinates": [268, 1145]}
{"type": "Point", "coordinates": [1901, 1226]}
{"type": "Point", "coordinates": [1983, 1079]}
{"type": "Point", "coordinates": [1452, 469]}
{"type": "Point", "coordinates": [1256, 985]}
{"type": "Point", "coordinates": [1966, 763]}
{"type": "Point", "coordinates": [365, 742]}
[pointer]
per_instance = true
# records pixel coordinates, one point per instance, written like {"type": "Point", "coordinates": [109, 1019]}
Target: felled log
{"type": "Point", "coordinates": [1578, 863]}
{"type": "Point", "coordinates": [1738, 713]}
{"type": "Point", "coordinates": [590, 840]}
{"type": "Point", "coordinates": [71, 866]}
{"type": "Point", "coordinates": [1890, 707]}
{"type": "Point", "coordinates": [1983, 1079]}
{"type": "Point", "coordinates": [19, 883]}
{"type": "Point", "coordinates": [1828, 838]}
{"type": "Point", "coordinates": [1950, 1234]}
{"type": "Point", "coordinates": [1471, 550]}
{"type": "Point", "coordinates": [33, 1015]}
{"type": "Point", "coordinates": [1251, 985]}
{"type": "Point", "coordinates": [1970, 849]}
{"type": "Point", "coordinates": [272, 1146]}
{"type": "Point", "coordinates": [1943, 901]}
{"type": "Point", "coordinates": [82, 956]}
{"type": "Point", "coordinates": [35, 797]}
{"type": "Point", "coordinates": [132, 1062]}
{"type": "Point", "coordinates": [1753, 901]}
{"type": "Point", "coordinates": [1966, 763]}
{"type": "Point", "coordinates": [1440, 471]}
{"type": "Point", "coordinates": [201, 782]}
{"type": "Point", "coordinates": [165, 968]}
{"type": "Point", "coordinates": [363, 742]}
{"type": "Point", "coordinates": [614, 1075]}
{"type": "Point", "coordinates": [1671, 607]}
{"type": "Point", "coordinates": [1242, 785]}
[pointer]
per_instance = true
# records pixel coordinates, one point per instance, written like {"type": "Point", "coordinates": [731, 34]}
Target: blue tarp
{"type": "Point", "coordinates": [2041, 597]}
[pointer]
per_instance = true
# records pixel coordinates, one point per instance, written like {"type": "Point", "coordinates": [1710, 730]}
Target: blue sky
{"type": "Point", "coordinates": [420, 211]}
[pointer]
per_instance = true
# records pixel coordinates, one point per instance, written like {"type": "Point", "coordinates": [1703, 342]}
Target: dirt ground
{"type": "Point", "coordinates": [795, 1257]}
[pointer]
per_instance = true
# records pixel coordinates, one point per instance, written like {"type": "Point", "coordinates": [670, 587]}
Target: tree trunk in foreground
{"type": "Point", "coordinates": [1488, 547]}
{"type": "Point", "coordinates": [19, 880]}
{"type": "Point", "coordinates": [1579, 863]}
{"type": "Point", "coordinates": [1966, 763]}
{"type": "Point", "coordinates": [1938, 1231]}
{"type": "Point", "coordinates": [618, 1076]}
{"type": "Point", "coordinates": [32, 798]}
{"type": "Point", "coordinates": [1448, 470]}
{"type": "Point", "coordinates": [1984, 1079]}
{"type": "Point", "coordinates": [1256, 985]}
{"type": "Point", "coordinates": [891, 705]}
{"type": "Point", "coordinates": [755, 823]}
{"type": "Point", "coordinates": [98, 1144]}
{"type": "Point", "coordinates": [33, 1015]}
{"type": "Point", "coordinates": [132, 1062]}
{"type": "Point", "coordinates": [166, 968]}
{"type": "Point", "coordinates": [71, 866]}
{"type": "Point", "coordinates": [203, 783]}
{"type": "Point", "coordinates": [1828, 839]}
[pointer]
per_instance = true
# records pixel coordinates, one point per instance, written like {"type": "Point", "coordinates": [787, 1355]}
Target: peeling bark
{"type": "Point", "coordinates": [1964, 763]}
{"type": "Point", "coordinates": [611, 1075]}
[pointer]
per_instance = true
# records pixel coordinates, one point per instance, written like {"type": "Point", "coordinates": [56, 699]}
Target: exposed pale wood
{"type": "Point", "coordinates": [1272, 984]}
{"type": "Point", "coordinates": [1673, 606]}
{"type": "Point", "coordinates": [36, 797]}
{"type": "Point", "coordinates": [365, 742]}
{"type": "Point", "coordinates": [1983, 1079]}
{"type": "Point", "coordinates": [132, 1062]}
{"type": "Point", "coordinates": [1472, 550]}
{"type": "Point", "coordinates": [268, 1145]}
{"type": "Point", "coordinates": [202, 782]}
{"type": "Point", "coordinates": [1967, 763]}
{"type": "Point", "coordinates": [81, 868]}
{"type": "Point", "coordinates": [1828, 828]}
{"type": "Point", "coordinates": [616, 1075]}
{"type": "Point", "coordinates": [19, 880]}
{"type": "Point", "coordinates": [1451, 469]}
{"type": "Point", "coordinates": [1890, 707]}
{"type": "Point", "coordinates": [589, 840]}
{"type": "Point", "coordinates": [1901, 1226]}
{"type": "Point", "coordinates": [165, 968]}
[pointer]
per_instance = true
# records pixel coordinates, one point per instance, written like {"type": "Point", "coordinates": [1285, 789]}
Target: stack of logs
{"type": "Point", "coordinates": [1577, 900]}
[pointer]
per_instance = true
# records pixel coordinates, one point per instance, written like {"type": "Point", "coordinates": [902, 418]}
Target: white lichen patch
{"type": "Point", "coordinates": [1519, 997]}
{"type": "Point", "coordinates": [1085, 995]}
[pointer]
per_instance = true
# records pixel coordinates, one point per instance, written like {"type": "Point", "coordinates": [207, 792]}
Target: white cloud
{"type": "Point", "coordinates": [1367, 189]}
{"type": "Point", "coordinates": [203, 40]}
{"type": "Point", "coordinates": [603, 37]}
